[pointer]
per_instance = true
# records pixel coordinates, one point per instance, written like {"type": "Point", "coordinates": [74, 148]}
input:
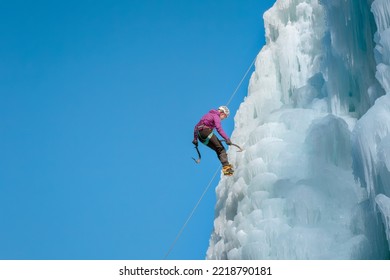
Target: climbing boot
{"type": "Point", "coordinates": [227, 170]}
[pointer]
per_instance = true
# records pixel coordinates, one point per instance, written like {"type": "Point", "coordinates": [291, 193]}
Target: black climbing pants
{"type": "Point", "coordinates": [215, 144]}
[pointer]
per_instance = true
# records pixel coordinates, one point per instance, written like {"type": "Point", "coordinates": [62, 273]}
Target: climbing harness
{"type": "Point", "coordinates": [207, 140]}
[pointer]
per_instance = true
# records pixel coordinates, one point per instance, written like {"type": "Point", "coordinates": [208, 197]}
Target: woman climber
{"type": "Point", "coordinates": [204, 132]}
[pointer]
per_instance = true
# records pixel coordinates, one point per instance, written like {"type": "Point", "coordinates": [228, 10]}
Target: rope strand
{"type": "Point", "coordinates": [242, 80]}
{"type": "Point", "coordinates": [192, 213]}
{"type": "Point", "coordinates": [215, 174]}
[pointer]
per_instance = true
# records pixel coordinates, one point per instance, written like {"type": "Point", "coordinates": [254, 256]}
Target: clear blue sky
{"type": "Point", "coordinates": [98, 100]}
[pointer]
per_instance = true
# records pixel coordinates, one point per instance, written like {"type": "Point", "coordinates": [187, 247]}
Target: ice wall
{"type": "Point", "coordinates": [313, 176]}
{"type": "Point", "coordinates": [371, 136]}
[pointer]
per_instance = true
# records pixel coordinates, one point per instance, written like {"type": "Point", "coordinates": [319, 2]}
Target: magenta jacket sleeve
{"type": "Point", "coordinates": [218, 126]}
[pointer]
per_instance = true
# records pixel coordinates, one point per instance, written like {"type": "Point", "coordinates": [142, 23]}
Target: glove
{"type": "Point", "coordinates": [228, 142]}
{"type": "Point", "coordinates": [195, 142]}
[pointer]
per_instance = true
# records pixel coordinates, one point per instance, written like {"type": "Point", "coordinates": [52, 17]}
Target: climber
{"type": "Point", "coordinates": [204, 132]}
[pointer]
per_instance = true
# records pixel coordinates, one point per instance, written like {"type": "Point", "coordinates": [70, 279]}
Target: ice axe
{"type": "Point", "coordinates": [235, 145]}
{"type": "Point", "coordinates": [199, 156]}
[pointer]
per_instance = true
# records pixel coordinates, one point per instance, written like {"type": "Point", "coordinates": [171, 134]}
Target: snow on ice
{"type": "Point", "coordinates": [314, 179]}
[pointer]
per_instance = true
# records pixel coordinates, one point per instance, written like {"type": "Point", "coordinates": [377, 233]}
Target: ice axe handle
{"type": "Point", "coordinates": [199, 156]}
{"type": "Point", "coordinates": [235, 145]}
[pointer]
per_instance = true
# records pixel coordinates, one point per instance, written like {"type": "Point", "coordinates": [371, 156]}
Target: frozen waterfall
{"type": "Point", "coordinates": [314, 179]}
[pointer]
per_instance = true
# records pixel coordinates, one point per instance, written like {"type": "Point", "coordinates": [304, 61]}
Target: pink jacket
{"type": "Point", "coordinates": [211, 120]}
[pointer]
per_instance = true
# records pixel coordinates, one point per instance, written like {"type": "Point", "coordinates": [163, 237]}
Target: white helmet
{"type": "Point", "coordinates": [225, 110]}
